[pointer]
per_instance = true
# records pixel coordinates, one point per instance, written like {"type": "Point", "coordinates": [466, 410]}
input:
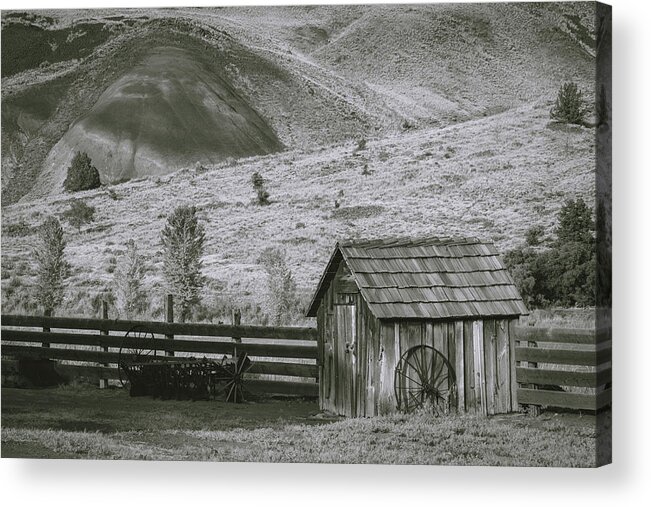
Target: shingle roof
{"type": "Point", "coordinates": [429, 278]}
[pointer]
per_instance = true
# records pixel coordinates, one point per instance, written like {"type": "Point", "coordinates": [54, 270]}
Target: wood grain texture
{"type": "Point", "coordinates": [576, 401]}
{"type": "Point", "coordinates": [163, 328]}
{"type": "Point", "coordinates": [460, 365]}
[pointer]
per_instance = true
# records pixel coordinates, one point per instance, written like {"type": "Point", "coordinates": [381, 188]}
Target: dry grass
{"type": "Point", "coordinates": [75, 423]}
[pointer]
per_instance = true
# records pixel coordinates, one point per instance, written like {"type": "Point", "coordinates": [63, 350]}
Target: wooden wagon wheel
{"type": "Point", "coordinates": [234, 389]}
{"type": "Point", "coordinates": [424, 378]}
{"type": "Point", "coordinates": [138, 346]}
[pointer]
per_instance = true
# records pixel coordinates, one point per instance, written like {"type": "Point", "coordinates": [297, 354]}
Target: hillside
{"type": "Point", "coordinates": [310, 75]}
{"type": "Point", "coordinates": [182, 106]}
{"type": "Point", "coordinates": [493, 177]}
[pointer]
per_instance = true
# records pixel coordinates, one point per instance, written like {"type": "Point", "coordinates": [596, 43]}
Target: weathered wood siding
{"type": "Point", "coordinates": [480, 352]}
{"type": "Point", "coordinates": [350, 347]}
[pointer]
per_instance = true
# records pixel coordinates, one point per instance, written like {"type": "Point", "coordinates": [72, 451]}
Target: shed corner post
{"type": "Point", "coordinates": [169, 318]}
{"type": "Point", "coordinates": [103, 380]}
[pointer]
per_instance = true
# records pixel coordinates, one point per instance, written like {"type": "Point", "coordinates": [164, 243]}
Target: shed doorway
{"type": "Point", "coordinates": [345, 345]}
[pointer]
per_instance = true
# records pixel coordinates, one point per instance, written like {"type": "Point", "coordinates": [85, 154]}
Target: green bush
{"type": "Point", "coordinates": [534, 235]}
{"type": "Point", "coordinates": [565, 274]}
{"type": "Point", "coordinates": [82, 174]}
{"type": "Point", "coordinates": [569, 106]}
{"type": "Point", "coordinates": [79, 213]}
{"type": "Point", "coordinates": [259, 185]}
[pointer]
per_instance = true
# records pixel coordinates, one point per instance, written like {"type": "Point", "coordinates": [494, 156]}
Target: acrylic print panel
{"type": "Point", "coordinates": [334, 234]}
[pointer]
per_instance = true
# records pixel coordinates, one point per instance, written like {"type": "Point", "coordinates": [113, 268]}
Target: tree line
{"type": "Point", "coordinates": [183, 247]}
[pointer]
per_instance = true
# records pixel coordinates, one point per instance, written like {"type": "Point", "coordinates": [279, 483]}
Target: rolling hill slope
{"type": "Point", "coordinates": [452, 103]}
{"type": "Point", "coordinates": [313, 75]}
{"type": "Point", "coordinates": [492, 177]}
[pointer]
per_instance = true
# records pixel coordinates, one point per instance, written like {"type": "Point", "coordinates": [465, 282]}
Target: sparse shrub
{"type": "Point", "coordinates": [300, 225]}
{"type": "Point", "coordinates": [200, 168]}
{"type": "Point", "coordinates": [361, 145]}
{"type": "Point", "coordinates": [112, 264]}
{"type": "Point", "coordinates": [569, 106]}
{"type": "Point", "coordinates": [259, 185]}
{"type": "Point", "coordinates": [407, 124]}
{"type": "Point", "coordinates": [79, 213]}
{"type": "Point", "coordinates": [128, 283]}
{"type": "Point", "coordinates": [449, 151]}
{"type": "Point", "coordinates": [20, 228]}
{"type": "Point", "coordinates": [82, 174]}
{"type": "Point", "coordinates": [281, 288]}
{"type": "Point", "coordinates": [183, 245]}
{"type": "Point", "coordinates": [51, 265]}
{"type": "Point", "coordinates": [534, 235]}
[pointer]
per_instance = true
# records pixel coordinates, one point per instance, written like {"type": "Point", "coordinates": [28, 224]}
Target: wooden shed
{"type": "Point", "coordinates": [407, 323]}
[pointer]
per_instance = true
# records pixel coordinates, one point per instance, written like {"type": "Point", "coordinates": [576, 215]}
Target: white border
{"type": "Point", "coordinates": [627, 481]}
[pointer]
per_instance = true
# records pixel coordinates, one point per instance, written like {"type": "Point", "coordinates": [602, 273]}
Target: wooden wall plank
{"type": "Point", "coordinates": [503, 365]}
{"type": "Point", "coordinates": [512, 338]}
{"type": "Point", "coordinates": [460, 365]}
{"type": "Point", "coordinates": [480, 370]}
{"type": "Point", "coordinates": [469, 365]}
{"type": "Point", "coordinates": [388, 340]}
{"type": "Point", "coordinates": [490, 365]}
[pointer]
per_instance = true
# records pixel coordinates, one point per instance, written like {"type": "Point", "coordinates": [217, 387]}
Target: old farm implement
{"type": "Point", "coordinates": [424, 378]}
{"type": "Point", "coordinates": [181, 378]}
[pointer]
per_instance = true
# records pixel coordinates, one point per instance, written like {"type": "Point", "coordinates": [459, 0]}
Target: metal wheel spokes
{"type": "Point", "coordinates": [234, 386]}
{"type": "Point", "coordinates": [138, 346]}
{"type": "Point", "coordinates": [424, 378]}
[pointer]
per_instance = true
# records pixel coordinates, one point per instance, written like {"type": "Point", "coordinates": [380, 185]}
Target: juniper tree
{"type": "Point", "coordinates": [259, 185]}
{"type": "Point", "coordinates": [79, 213]}
{"type": "Point", "coordinates": [281, 288]}
{"type": "Point", "coordinates": [569, 106]}
{"type": "Point", "coordinates": [128, 281]}
{"type": "Point", "coordinates": [51, 266]}
{"type": "Point", "coordinates": [82, 174]}
{"type": "Point", "coordinates": [183, 246]}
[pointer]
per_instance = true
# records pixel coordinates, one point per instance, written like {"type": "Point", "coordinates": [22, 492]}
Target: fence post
{"type": "Point", "coordinates": [169, 318]}
{"type": "Point", "coordinates": [46, 313]}
{"type": "Point", "coordinates": [236, 319]}
{"type": "Point", "coordinates": [103, 382]}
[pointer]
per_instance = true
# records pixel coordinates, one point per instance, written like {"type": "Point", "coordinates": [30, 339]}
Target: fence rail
{"type": "Point", "coordinates": [555, 366]}
{"type": "Point", "coordinates": [99, 353]}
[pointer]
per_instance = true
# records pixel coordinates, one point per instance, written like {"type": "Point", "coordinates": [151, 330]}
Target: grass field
{"type": "Point", "coordinates": [84, 422]}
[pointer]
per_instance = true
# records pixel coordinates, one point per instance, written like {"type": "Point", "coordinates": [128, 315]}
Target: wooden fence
{"type": "Point", "coordinates": [93, 346]}
{"type": "Point", "coordinates": [564, 368]}
{"type": "Point", "coordinates": [552, 364]}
